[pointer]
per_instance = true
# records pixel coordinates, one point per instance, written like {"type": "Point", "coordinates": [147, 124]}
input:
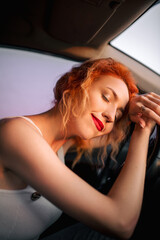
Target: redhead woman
{"type": "Point", "coordinates": [94, 104]}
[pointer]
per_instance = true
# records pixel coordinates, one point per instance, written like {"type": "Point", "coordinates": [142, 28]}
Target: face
{"type": "Point", "coordinates": [108, 97]}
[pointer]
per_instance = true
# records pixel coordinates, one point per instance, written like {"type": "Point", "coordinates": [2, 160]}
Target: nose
{"type": "Point", "coordinates": [109, 114]}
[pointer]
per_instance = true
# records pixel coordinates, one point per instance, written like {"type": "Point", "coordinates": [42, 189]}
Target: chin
{"type": "Point", "coordinates": [88, 135]}
{"type": "Point", "coordinates": [85, 137]}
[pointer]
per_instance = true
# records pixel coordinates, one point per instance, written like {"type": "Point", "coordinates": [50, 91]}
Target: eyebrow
{"type": "Point", "coordinates": [116, 97]}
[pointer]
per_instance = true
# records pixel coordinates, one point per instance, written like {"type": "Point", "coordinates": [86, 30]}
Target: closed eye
{"type": "Point", "coordinates": [105, 98]}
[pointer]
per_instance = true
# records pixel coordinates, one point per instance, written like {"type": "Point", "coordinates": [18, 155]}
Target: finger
{"type": "Point", "coordinates": [136, 118]}
{"type": "Point", "coordinates": [153, 105]}
{"type": "Point", "coordinates": [152, 96]}
{"type": "Point", "coordinates": [148, 113]}
{"type": "Point", "coordinates": [154, 99]}
{"type": "Point", "coordinates": [155, 95]}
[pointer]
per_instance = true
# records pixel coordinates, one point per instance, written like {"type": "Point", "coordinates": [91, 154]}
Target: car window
{"type": "Point", "coordinates": [141, 40]}
{"type": "Point", "coordinates": [27, 80]}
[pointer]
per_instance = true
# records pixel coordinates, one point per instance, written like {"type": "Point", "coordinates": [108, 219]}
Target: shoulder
{"type": "Point", "coordinates": [8, 127]}
{"type": "Point", "coordinates": [16, 137]}
{"type": "Point", "coordinates": [12, 128]}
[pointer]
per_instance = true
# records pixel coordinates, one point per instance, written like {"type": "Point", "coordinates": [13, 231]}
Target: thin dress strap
{"type": "Point", "coordinates": [29, 120]}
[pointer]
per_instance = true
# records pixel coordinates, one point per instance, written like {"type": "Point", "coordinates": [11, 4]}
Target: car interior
{"type": "Point", "coordinates": [69, 32]}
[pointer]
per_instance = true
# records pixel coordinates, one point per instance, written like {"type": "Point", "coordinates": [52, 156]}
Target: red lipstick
{"type": "Point", "coordinates": [98, 123]}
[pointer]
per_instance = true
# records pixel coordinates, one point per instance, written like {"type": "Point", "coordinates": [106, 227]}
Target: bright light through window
{"type": "Point", "coordinates": [141, 40]}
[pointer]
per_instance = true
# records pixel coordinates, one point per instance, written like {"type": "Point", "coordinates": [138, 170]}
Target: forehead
{"type": "Point", "coordinates": [115, 83]}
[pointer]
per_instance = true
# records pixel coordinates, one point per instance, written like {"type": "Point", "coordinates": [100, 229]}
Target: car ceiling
{"type": "Point", "coordinates": [72, 28]}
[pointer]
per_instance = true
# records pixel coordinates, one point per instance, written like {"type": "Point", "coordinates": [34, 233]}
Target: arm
{"type": "Point", "coordinates": [29, 156]}
{"type": "Point", "coordinates": [127, 191]}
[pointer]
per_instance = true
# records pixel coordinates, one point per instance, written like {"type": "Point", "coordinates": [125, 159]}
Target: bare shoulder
{"type": "Point", "coordinates": [12, 127]}
{"type": "Point", "coordinates": [15, 136]}
{"type": "Point", "coordinates": [8, 125]}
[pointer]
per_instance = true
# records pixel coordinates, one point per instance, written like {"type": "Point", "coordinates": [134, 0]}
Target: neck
{"type": "Point", "coordinates": [51, 125]}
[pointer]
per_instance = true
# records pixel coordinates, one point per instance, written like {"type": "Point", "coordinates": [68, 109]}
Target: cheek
{"type": "Point", "coordinates": [108, 129]}
{"type": "Point", "coordinates": [95, 102]}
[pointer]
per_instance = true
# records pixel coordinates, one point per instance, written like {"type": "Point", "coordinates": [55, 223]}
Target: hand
{"type": "Point", "coordinates": [144, 109]}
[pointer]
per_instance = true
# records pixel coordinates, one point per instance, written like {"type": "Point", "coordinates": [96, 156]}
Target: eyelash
{"type": "Point", "coordinates": [105, 98]}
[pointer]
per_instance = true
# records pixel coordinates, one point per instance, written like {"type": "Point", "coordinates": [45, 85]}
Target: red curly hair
{"type": "Point", "coordinates": [71, 94]}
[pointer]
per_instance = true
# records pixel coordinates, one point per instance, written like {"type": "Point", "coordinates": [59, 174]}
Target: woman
{"type": "Point", "coordinates": [92, 105]}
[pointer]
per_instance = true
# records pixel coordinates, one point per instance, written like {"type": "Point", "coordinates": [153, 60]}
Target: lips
{"type": "Point", "coordinates": [98, 123]}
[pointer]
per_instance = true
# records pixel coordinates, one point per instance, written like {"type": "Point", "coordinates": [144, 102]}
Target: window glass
{"type": "Point", "coordinates": [27, 80]}
{"type": "Point", "coordinates": [141, 40]}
